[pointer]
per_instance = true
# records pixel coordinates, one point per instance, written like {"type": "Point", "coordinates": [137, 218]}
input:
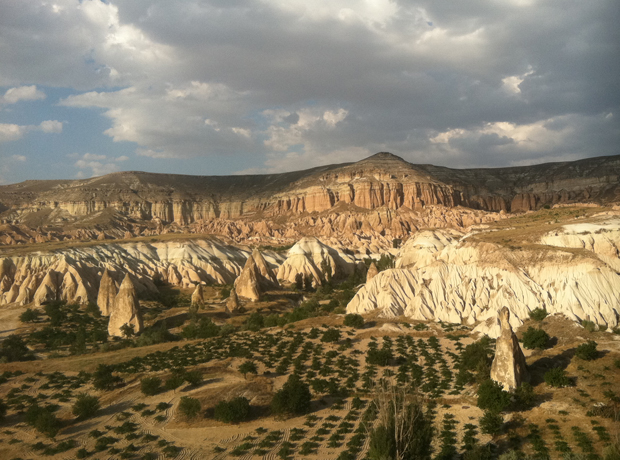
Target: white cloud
{"type": "Point", "coordinates": [51, 126]}
{"type": "Point", "coordinates": [20, 158]}
{"type": "Point", "coordinates": [12, 132]}
{"type": "Point", "coordinates": [22, 93]}
{"type": "Point", "coordinates": [92, 164]}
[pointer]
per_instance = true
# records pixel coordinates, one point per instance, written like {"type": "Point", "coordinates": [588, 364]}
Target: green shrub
{"type": "Point", "coordinates": [150, 385]}
{"type": "Point", "coordinates": [103, 379]}
{"type": "Point", "coordinates": [589, 326]}
{"type": "Point", "coordinates": [234, 411]}
{"type": "Point", "coordinates": [174, 381]}
{"type": "Point", "coordinates": [331, 335]}
{"type": "Point", "coordinates": [248, 367]}
{"type": "Point", "coordinates": [524, 397]}
{"type": "Point", "coordinates": [85, 406]}
{"type": "Point", "coordinates": [379, 357]}
{"type": "Point", "coordinates": [29, 316]}
{"type": "Point", "coordinates": [491, 423]}
{"type": "Point", "coordinates": [189, 407]}
{"type": "Point", "coordinates": [293, 398]}
{"type": "Point", "coordinates": [557, 377]}
{"type": "Point", "coordinates": [3, 409]}
{"type": "Point", "coordinates": [13, 348]}
{"type": "Point", "coordinates": [354, 320]}
{"type": "Point", "coordinates": [194, 378]}
{"type": "Point", "coordinates": [491, 396]}
{"type": "Point", "coordinates": [587, 351]}
{"type": "Point", "coordinates": [538, 314]}
{"type": "Point", "coordinates": [43, 420]}
{"type": "Point", "coordinates": [535, 338]}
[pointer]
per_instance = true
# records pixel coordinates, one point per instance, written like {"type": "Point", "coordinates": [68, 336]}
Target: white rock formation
{"type": "Point", "coordinates": [247, 284]}
{"type": "Point", "coordinates": [470, 282]}
{"type": "Point", "coordinates": [126, 309]}
{"type": "Point", "coordinates": [508, 368]}
{"type": "Point", "coordinates": [198, 297]}
{"type": "Point", "coordinates": [107, 293]}
{"type": "Point", "coordinates": [307, 256]}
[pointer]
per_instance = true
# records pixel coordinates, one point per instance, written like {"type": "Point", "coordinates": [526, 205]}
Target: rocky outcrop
{"type": "Point", "coordinates": [462, 281]}
{"type": "Point", "coordinates": [47, 290]}
{"type": "Point", "coordinates": [267, 277]}
{"type": "Point", "coordinates": [247, 284]}
{"type": "Point", "coordinates": [198, 297]}
{"type": "Point", "coordinates": [126, 310]}
{"type": "Point", "coordinates": [372, 272]}
{"type": "Point", "coordinates": [311, 257]}
{"type": "Point", "coordinates": [107, 293]}
{"type": "Point", "coordinates": [233, 306]}
{"type": "Point", "coordinates": [508, 368]}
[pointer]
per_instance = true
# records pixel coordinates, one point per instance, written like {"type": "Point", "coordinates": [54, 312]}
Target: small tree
{"type": "Point", "coordinates": [587, 351]}
{"type": "Point", "coordinates": [194, 378]}
{"type": "Point", "coordinates": [354, 320]}
{"type": "Point", "coordinates": [248, 367]}
{"type": "Point", "coordinates": [85, 406]}
{"type": "Point", "coordinates": [308, 283]}
{"type": "Point", "coordinates": [189, 407]}
{"type": "Point", "coordinates": [492, 396]}
{"type": "Point", "coordinates": [128, 330]}
{"type": "Point", "coordinates": [491, 423]}
{"type": "Point", "coordinates": [3, 409]}
{"type": "Point", "coordinates": [331, 335]}
{"type": "Point", "coordinates": [234, 411]}
{"type": "Point", "coordinates": [557, 377]}
{"type": "Point", "coordinates": [103, 379]}
{"type": "Point", "coordinates": [538, 314]}
{"type": "Point", "coordinates": [29, 316]}
{"type": "Point", "coordinates": [150, 385]}
{"type": "Point", "coordinates": [535, 338]}
{"type": "Point", "coordinates": [299, 281]}
{"type": "Point", "coordinates": [293, 398]}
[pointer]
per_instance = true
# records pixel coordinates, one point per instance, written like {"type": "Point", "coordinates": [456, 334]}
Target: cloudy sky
{"type": "Point", "coordinates": [254, 86]}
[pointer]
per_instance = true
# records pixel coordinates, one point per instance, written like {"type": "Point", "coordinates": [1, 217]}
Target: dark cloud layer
{"type": "Point", "coordinates": [295, 84]}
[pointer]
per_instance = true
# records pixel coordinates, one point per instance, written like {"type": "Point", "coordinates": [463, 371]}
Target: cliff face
{"type": "Point", "coordinates": [382, 180]}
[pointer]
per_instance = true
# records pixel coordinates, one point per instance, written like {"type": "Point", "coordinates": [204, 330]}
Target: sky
{"type": "Point", "coordinates": [214, 87]}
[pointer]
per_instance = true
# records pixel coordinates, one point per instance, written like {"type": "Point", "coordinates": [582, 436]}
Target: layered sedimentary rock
{"type": "Point", "coordinates": [135, 203]}
{"type": "Point", "coordinates": [126, 309]}
{"type": "Point", "coordinates": [508, 368]}
{"type": "Point", "coordinates": [462, 281]}
{"type": "Point", "coordinates": [106, 294]}
{"type": "Point", "coordinates": [311, 257]}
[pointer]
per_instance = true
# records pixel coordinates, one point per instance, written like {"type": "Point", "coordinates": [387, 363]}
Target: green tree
{"type": "Point", "coordinates": [128, 330]}
{"type": "Point", "coordinates": [492, 396]}
{"type": "Point", "coordinates": [354, 320]}
{"type": "Point", "coordinates": [331, 335]}
{"type": "Point", "coordinates": [29, 316]}
{"type": "Point", "coordinates": [189, 407]}
{"type": "Point", "coordinates": [587, 351]}
{"type": "Point", "coordinates": [538, 314]}
{"type": "Point", "coordinates": [557, 377]}
{"type": "Point", "coordinates": [194, 378]}
{"type": "Point", "coordinates": [3, 409]}
{"type": "Point", "coordinates": [234, 411]}
{"type": "Point", "coordinates": [491, 423]}
{"type": "Point", "coordinates": [43, 420]}
{"type": "Point", "coordinates": [104, 379]}
{"type": "Point", "coordinates": [13, 348]}
{"type": "Point", "coordinates": [535, 338]}
{"type": "Point", "coordinates": [299, 281]}
{"type": "Point", "coordinates": [293, 398]}
{"type": "Point", "coordinates": [85, 406]}
{"type": "Point", "coordinates": [248, 367]}
{"type": "Point", "coordinates": [150, 385]}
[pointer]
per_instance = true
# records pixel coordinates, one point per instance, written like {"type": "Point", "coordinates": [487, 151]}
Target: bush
{"type": "Point", "coordinates": [174, 381]}
{"type": "Point", "coordinates": [589, 326]}
{"type": "Point", "coordinates": [103, 379]}
{"type": "Point", "coordinates": [331, 335]}
{"type": "Point", "coordinates": [3, 409]}
{"type": "Point", "coordinates": [234, 411]}
{"type": "Point", "coordinates": [29, 316]}
{"type": "Point", "coordinates": [85, 406]}
{"type": "Point", "coordinates": [150, 385]}
{"type": "Point", "coordinates": [492, 396]}
{"type": "Point", "coordinates": [557, 377]}
{"type": "Point", "coordinates": [248, 367]}
{"type": "Point", "coordinates": [13, 348]}
{"type": "Point", "coordinates": [189, 407]}
{"type": "Point", "coordinates": [293, 398]}
{"type": "Point", "coordinates": [524, 397]}
{"type": "Point", "coordinates": [476, 354]}
{"type": "Point", "coordinates": [538, 314]}
{"type": "Point", "coordinates": [379, 357]}
{"type": "Point", "coordinates": [535, 338]}
{"type": "Point", "coordinates": [354, 320]}
{"type": "Point", "coordinates": [491, 423]}
{"type": "Point", "coordinates": [194, 378]}
{"type": "Point", "coordinates": [43, 420]}
{"type": "Point", "coordinates": [587, 351]}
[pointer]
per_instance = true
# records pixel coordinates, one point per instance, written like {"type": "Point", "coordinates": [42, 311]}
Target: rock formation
{"type": "Point", "coordinates": [198, 298]}
{"type": "Point", "coordinates": [126, 309]}
{"type": "Point", "coordinates": [372, 272]}
{"type": "Point", "coordinates": [466, 281]}
{"type": "Point", "coordinates": [247, 284]}
{"type": "Point", "coordinates": [233, 306]}
{"type": "Point", "coordinates": [508, 368]}
{"type": "Point", "coordinates": [267, 277]}
{"type": "Point", "coordinates": [47, 290]}
{"type": "Point", "coordinates": [107, 293]}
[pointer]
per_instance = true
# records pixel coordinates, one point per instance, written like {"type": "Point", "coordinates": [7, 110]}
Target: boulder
{"type": "Point", "coordinates": [247, 284]}
{"type": "Point", "coordinates": [126, 309]}
{"type": "Point", "coordinates": [508, 368]}
{"type": "Point", "coordinates": [107, 293]}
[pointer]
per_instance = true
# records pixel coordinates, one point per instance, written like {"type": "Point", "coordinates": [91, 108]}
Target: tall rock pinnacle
{"type": "Point", "coordinates": [508, 368]}
{"type": "Point", "coordinates": [107, 293]}
{"type": "Point", "coordinates": [247, 285]}
{"type": "Point", "coordinates": [126, 309]}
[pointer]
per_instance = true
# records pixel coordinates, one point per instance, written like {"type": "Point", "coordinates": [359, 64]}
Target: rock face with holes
{"type": "Point", "coordinates": [107, 293]}
{"type": "Point", "coordinates": [508, 368]}
{"type": "Point", "coordinates": [126, 310]}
